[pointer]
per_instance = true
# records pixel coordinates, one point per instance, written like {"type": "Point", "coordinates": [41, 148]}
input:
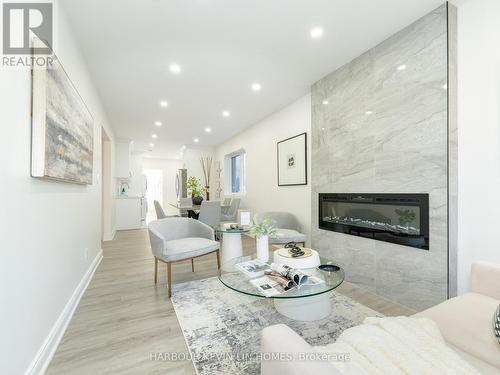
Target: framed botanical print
{"type": "Point", "coordinates": [292, 161]}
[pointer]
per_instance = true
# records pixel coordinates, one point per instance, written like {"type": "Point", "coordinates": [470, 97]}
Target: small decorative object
{"type": "Point", "coordinates": [262, 232]}
{"type": "Point", "coordinates": [206, 164]}
{"type": "Point", "coordinates": [294, 250]}
{"type": "Point", "coordinates": [234, 226]}
{"type": "Point", "coordinates": [244, 218]}
{"type": "Point", "coordinates": [292, 161]}
{"type": "Point", "coordinates": [329, 268]}
{"type": "Point", "coordinates": [194, 188]}
{"type": "Point", "coordinates": [288, 254]}
{"type": "Point", "coordinates": [62, 128]}
{"type": "Point", "coordinates": [328, 271]}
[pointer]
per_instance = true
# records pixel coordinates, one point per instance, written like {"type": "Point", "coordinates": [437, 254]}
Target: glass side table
{"type": "Point", "coordinates": [231, 242]}
{"type": "Point", "coordinates": [307, 303]}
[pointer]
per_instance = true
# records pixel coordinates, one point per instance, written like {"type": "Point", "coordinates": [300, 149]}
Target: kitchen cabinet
{"type": "Point", "coordinates": [130, 212]}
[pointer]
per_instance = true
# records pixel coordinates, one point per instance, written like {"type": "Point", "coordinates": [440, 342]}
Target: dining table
{"type": "Point", "coordinates": [192, 208]}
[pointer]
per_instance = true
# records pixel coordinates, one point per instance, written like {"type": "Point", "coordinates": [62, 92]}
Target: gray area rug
{"type": "Point", "coordinates": [222, 327]}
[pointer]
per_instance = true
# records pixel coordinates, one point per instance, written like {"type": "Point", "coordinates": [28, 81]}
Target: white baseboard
{"type": "Point", "coordinates": [46, 352]}
{"type": "Point", "coordinates": [109, 236]}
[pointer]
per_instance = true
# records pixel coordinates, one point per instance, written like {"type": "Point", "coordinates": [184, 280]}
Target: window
{"type": "Point", "coordinates": [234, 181]}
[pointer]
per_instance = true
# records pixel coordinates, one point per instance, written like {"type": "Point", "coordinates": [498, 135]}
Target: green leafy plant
{"type": "Point", "coordinates": [405, 217]}
{"type": "Point", "coordinates": [194, 187]}
{"type": "Point", "coordinates": [265, 228]}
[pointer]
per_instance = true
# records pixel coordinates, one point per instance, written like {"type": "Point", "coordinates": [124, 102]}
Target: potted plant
{"type": "Point", "coordinates": [194, 188]}
{"type": "Point", "coordinates": [262, 231]}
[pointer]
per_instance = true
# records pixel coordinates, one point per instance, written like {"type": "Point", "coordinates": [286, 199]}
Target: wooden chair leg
{"type": "Point", "coordinates": [218, 259]}
{"type": "Point", "coordinates": [192, 265]}
{"type": "Point", "coordinates": [169, 279]}
{"type": "Point", "coordinates": [156, 270]}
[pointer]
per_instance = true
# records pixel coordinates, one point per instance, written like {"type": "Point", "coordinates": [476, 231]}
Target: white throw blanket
{"type": "Point", "coordinates": [398, 345]}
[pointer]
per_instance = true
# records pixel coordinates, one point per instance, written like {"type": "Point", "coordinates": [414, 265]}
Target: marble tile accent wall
{"type": "Point", "coordinates": [384, 130]}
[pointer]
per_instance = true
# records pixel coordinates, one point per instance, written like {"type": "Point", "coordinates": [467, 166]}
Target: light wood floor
{"type": "Point", "coordinates": [123, 318]}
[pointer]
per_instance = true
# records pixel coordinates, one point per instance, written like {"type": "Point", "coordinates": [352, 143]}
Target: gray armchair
{"type": "Point", "coordinates": [176, 239]}
{"type": "Point", "coordinates": [287, 224]}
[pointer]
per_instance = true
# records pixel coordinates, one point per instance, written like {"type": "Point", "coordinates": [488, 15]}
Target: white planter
{"type": "Point", "coordinates": [263, 248]}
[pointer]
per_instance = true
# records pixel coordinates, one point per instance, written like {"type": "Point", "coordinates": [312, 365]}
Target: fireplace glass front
{"type": "Point", "coordinates": [396, 218]}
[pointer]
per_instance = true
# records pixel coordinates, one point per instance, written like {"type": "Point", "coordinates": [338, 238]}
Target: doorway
{"type": "Point", "coordinates": [154, 178]}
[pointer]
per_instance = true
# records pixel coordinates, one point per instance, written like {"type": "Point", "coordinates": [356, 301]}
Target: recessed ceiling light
{"type": "Point", "coordinates": [175, 68]}
{"type": "Point", "coordinates": [325, 102]}
{"type": "Point", "coordinates": [316, 32]}
{"type": "Point", "coordinates": [151, 145]}
{"type": "Point", "coordinates": [183, 147]}
{"type": "Point", "coordinates": [163, 103]}
{"type": "Point", "coordinates": [322, 128]}
{"type": "Point", "coordinates": [402, 67]}
{"type": "Point", "coordinates": [177, 157]}
{"type": "Point", "coordinates": [158, 123]}
{"type": "Point", "coordinates": [154, 136]}
{"type": "Point", "coordinates": [226, 113]}
{"type": "Point", "coordinates": [256, 86]}
{"type": "Point", "coordinates": [196, 140]}
{"type": "Point", "coordinates": [369, 113]}
{"type": "Point", "coordinates": [208, 130]}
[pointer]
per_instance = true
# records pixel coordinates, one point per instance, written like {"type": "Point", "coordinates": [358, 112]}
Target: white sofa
{"type": "Point", "coordinates": [464, 321]}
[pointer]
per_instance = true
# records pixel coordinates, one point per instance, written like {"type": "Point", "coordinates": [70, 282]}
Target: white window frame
{"type": "Point", "coordinates": [228, 190]}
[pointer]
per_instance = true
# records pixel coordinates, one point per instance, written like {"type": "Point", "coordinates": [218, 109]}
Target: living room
{"type": "Point", "coordinates": [228, 187]}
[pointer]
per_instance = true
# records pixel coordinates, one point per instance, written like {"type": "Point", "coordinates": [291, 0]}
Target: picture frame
{"type": "Point", "coordinates": [292, 160]}
{"type": "Point", "coordinates": [62, 134]}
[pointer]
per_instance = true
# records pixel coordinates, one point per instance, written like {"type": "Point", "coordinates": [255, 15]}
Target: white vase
{"type": "Point", "coordinates": [263, 248]}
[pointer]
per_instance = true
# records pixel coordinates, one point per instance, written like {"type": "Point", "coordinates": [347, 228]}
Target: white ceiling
{"type": "Point", "coordinates": [222, 46]}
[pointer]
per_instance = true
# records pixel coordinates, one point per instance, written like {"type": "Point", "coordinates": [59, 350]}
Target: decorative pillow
{"type": "Point", "coordinates": [496, 323]}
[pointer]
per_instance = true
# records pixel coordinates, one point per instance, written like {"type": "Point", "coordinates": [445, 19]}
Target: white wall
{"type": "Point", "coordinates": [45, 226]}
{"type": "Point", "coordinates": [478, 135]}
{"type": "Point", "coordinates": [108, 191]}
{"type": "Point", "coordinates": [169, 168]}
{"type": "Point", "coordinates": [135, 182]}
{"type": "Point", "coordinates": [259, 142]}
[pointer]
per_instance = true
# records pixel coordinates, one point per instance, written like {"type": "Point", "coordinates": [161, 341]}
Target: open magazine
{"type": "Point", "coordinates": [254, 267]}
{"type": "Point", "coordinates": [279, 278]}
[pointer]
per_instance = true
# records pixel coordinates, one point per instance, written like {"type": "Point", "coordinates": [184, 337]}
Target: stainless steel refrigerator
{"type": "Point", "coordinates": [181, 184]}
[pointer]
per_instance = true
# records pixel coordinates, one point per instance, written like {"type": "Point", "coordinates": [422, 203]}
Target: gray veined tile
{"type": "Point", "coordinates": [386, 131]}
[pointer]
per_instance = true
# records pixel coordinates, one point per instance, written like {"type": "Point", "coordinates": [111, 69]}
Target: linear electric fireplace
{"type": "Point", "coordinates": [396, 218]}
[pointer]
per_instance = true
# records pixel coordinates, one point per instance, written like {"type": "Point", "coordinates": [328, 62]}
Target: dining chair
{"type": "Point", "coordinates": [160, 214]}
{"type": "Point", "coordinates": [232, 214]}
{"type": "Point", "coordinates": [177, 239]}
{"type": "Point", "coordinates": [225, 205]}
{"type": "Point", "coordinates": [287, 225]}
{"type": "Point", "coordinates": [186, 202]}
{"type": "Point", "coordinates": [210, 212]}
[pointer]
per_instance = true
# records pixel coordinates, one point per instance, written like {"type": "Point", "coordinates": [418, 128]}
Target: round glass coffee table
{"type": "Point", "coordinates": [307, 303]}
{"type": "Point", "coordinates": [231, 242]}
